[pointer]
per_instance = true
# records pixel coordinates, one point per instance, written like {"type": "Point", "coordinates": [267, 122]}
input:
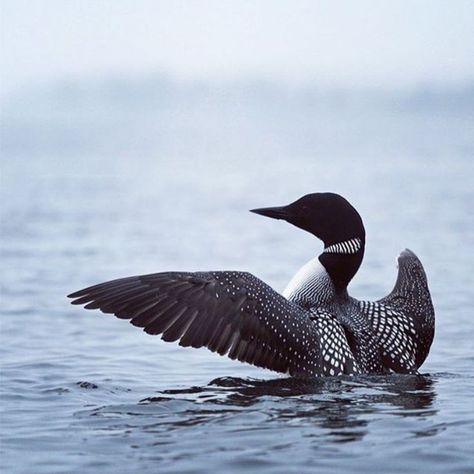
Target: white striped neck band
{"type": "Point", "coordinates": [348, 246]}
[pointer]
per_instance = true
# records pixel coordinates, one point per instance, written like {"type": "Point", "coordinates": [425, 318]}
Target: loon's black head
{"type": "Point", "coordinates": [328, 216]}
{"type": "Point", "coordinates": [333, 220]}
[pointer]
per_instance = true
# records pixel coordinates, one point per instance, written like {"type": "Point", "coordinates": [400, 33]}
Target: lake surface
{"type": "Point", "coordinates": [90, 194]}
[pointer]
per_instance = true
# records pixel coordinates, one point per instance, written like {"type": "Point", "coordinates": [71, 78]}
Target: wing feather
{"type": "Point", "coordinates": [231, 313]}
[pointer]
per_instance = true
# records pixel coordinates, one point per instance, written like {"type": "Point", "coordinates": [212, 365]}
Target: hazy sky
{"type": "Point", "coordinates": [374, 43]}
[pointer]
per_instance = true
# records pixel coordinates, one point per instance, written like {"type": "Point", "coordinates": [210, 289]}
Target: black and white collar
{"type": "Point", "coordinates": [347, 247]}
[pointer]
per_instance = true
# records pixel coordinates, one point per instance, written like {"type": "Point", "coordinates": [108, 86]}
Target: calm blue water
{"type": "Point", "coordinates": [94, 192]}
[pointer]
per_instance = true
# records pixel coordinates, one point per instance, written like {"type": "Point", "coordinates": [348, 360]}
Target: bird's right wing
{"type": "Point", "coordinates": [228, 312]}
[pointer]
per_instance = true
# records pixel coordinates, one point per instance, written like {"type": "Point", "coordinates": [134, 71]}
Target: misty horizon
{"type": "Point", "coordinates": [365, 44]}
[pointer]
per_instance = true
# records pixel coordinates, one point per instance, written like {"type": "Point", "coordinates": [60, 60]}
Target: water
{"type": "Point", "coordinates": [90, 194]}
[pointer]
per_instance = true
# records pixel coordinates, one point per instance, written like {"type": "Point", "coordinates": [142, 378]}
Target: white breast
{"type": "Point", "coordinates": [311, 285]}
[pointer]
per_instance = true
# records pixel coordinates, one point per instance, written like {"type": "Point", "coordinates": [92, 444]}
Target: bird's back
{"type": "Point", "coordinates": [347, 341]}
{"type": "Point", "coordinates": [392, 334]}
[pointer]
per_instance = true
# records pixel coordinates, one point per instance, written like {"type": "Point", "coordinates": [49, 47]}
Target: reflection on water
{"type": "Point", "coordinates": [341, 409]}
{"type": "Point", "coordinates": [403, 391]}
{"type": "Point", "coordinates": [279, 422]}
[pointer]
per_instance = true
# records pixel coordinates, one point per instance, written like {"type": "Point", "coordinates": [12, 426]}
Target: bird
{"type": "Point", "coordinates": [314, 328]}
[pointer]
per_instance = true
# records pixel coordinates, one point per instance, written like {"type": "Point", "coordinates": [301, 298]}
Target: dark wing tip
{"type": "Point", "coordinates": [407, 254]}
{"type": "Point", "coordinates": [112, 284]}
{"type": "Point", "coordinates": [76, 294]}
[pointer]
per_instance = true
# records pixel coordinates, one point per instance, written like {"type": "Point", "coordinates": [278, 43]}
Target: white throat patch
{"type": "Point", "coordinates": [348, 246]}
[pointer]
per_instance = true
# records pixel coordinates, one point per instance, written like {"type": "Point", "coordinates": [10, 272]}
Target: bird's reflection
{"type": "Point", "coordinates": [342, 406]}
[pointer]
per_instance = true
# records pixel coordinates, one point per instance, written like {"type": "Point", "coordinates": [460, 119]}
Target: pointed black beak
{"type": "Point", "coordinates": [273, 212]}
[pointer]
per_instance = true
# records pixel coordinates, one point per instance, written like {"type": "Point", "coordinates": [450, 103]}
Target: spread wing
{"type": "Point", "coordinates": [404, 320]}
{"type": "Point", "coordinates": [231, 313]}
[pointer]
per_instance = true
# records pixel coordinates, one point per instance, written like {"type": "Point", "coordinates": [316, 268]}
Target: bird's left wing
{"type": "Point", "coordinates": [228, 312]}
{"type": "Point", "coordinates": [404, 321]}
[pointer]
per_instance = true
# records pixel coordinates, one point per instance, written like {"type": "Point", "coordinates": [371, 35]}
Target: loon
{"type": "Point", "coordinates": [313, 329]}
